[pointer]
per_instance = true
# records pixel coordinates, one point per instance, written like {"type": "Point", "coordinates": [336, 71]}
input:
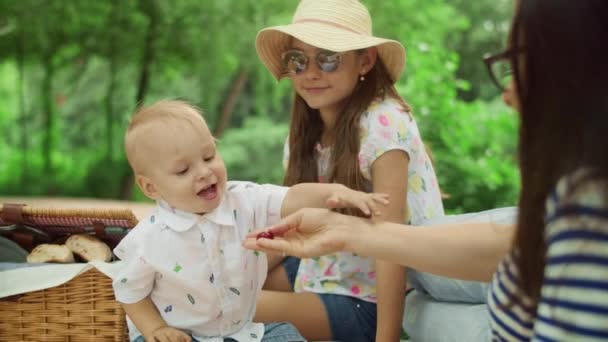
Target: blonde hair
{"type": "Point", "coordinates": [164, 112]}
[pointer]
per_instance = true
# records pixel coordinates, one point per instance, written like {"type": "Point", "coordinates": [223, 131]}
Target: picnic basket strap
{"type": "Point", "coordinates": [100, 231]}
{"type": "Point", "coordinates": [12, 212]}
{"type": "Point", "coordinates": [26, 241]}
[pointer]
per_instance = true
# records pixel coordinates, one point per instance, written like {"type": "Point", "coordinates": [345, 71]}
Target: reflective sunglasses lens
{"type": "Point", "coordinates": [294, 62]}
{"type": "Point", "coordinates": [328, 61]}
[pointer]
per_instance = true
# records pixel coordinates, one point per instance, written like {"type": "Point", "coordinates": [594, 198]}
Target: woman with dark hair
{"type": "Point", "coordinates": [549, 272]}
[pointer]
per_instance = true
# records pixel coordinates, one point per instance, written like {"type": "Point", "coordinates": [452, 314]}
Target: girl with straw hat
{"type": "Point", "coordinates": [348, 125]}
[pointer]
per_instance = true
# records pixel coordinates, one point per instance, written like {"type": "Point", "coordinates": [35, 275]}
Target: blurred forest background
{"type": "Point", "coordinates": [72, 71]}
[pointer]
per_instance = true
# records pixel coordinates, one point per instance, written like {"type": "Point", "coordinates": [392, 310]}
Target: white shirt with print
{"type": "Point", "coordinates": [194, 268]}
{"type": "Point", "coordinates": [385, 126]}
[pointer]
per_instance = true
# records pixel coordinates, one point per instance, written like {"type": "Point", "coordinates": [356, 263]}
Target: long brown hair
{"type": "Point", "coordinates": [306, 128]}
{"type": "Point", "coordinates": [561, 75]}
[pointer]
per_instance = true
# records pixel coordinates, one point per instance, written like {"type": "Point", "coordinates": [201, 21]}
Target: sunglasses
{"type": "Point", "coordinates": [295, 62]}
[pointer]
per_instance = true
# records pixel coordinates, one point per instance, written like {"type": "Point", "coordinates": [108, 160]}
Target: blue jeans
{"type": "Point", "coordinates": [443, 309]}
{"type": "Point", "coordinates": [273, 332]}
{"type": "Point", "coordinates": [279, 332]}
{"type": "Point", "coordinates": [446, 310]}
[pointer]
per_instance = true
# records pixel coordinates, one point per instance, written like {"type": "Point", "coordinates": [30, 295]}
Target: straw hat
{"type": "Point", "coordinates": [335, 25]}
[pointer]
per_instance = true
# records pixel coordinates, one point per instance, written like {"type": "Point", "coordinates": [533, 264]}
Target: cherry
{"type": "Point", "coordinates": [265, 235]}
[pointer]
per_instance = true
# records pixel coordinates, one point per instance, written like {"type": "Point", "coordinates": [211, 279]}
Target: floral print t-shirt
{"type": "Point", "coordinates": [384, 127]}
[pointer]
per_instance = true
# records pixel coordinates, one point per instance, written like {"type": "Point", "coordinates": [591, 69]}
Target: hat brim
{"type": "Point", "coordinates": [271, 42]}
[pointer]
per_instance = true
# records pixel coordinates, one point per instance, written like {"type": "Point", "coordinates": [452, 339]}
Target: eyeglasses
{"type": "Point", "coordinates": [500, 69]}
{"type": "Point", "coordinates": [295, 62]}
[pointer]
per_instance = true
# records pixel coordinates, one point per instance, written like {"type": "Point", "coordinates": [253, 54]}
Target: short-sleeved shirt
{"type": "Point", "coordinates": [573, 304]}
{"type": "Point", "coordinates": [384, 127]}
{"type": "Point", "coordinates": [194, 268]}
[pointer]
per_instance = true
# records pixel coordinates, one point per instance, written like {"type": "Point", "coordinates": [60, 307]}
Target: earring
{"type": "Point", "coordinates": [362, 78]}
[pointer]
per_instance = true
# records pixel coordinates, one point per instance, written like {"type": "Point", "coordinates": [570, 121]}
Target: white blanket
{"type": "Point", "coordinates": [28, 279]}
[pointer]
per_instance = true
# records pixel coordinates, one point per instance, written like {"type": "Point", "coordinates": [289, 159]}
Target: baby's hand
{"type": "Point", "coordinates": [366, 202]}
{"type": "Point", "coordinates": [168, 334]}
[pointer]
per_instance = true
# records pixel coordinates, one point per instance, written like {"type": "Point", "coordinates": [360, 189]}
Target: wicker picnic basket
{"type": "Point", "coordinates": [83, 309]}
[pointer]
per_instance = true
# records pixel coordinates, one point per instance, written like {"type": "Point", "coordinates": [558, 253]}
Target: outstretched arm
{"type": "Point", "coordinates": [469, 251]}
{"type": "Point", "coordinates": [323, 195]}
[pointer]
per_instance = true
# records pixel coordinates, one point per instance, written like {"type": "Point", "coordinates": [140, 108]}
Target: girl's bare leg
{"type": "Point", "coordinates": [304, 310]}
{"type": "Point", "coordinates": [278, 303]}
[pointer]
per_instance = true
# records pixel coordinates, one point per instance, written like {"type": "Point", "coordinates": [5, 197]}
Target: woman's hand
{"type": "Point", "coordinates": [308, 232]}
{"type": "Point", "coordinates": [349, 198]}
{"type": "Point", "coordinates": [168, 334]}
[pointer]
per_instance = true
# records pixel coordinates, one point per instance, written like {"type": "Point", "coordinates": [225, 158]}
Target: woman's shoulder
{"type": "Point", "coordinates": [582, 188]}
{"type": "Point", "coordinates": [578, 201]}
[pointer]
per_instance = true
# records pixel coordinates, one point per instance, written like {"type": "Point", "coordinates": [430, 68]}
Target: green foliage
{"type": "Point", "coordinates": [86, 64]}
{"type": "Point", "coordinates": [486, 30]}
{"type": "Point", "coordinates": [255, 151]}
{"type": "Point", "coordinates": [475, 157]}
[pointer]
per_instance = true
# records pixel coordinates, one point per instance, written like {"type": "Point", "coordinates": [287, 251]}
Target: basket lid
{"type": "Point", "coordinates": [20, 213]}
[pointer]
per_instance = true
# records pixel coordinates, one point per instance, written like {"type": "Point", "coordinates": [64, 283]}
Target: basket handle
{"type": "Point", "coordinates": [12, 212]}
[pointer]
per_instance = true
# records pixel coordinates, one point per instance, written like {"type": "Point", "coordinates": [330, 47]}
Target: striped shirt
{"type": "Point", "coordinates": [573, 304]}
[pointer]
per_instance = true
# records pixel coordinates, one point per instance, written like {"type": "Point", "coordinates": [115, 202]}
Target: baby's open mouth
{"type": "Point", "coordinates": [209, 192]}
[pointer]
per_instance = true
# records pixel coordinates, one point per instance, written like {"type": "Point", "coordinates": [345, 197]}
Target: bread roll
{"type": "Point", "coordinates": [89, 247]}
{"type": "Point", "coordinates": [51, 253]}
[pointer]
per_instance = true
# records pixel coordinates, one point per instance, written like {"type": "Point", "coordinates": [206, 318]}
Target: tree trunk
{"type": "Point", "coordinates": [22, 110]}
{"type": "Point", "coordinates": [150, 8]}
{"type": "Point", "coordinates": [110, 110]}
{"type": "Point", "coordinates": [49, 115]}
{"type": "Point", "coordinates": [229, 103]}
{"type": "Point", "coordinates": [111, 86]}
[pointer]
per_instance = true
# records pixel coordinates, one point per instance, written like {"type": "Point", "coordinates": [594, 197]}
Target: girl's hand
{"type": "Point", "coordinates": [168, 334]}
{"type": "Point", "coordinates": [366, 202]}
{"type": "Point", "coordinates": [308, 232]}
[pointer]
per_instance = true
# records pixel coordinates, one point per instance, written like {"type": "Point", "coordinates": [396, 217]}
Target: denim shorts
{"type": "Point", "coordinates": [273, 332]}
{"type": "Point", "coordinates": [350, 319]}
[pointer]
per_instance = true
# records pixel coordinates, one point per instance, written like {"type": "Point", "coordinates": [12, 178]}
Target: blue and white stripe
{"type": "Point", "coordinates": [574, 295]}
